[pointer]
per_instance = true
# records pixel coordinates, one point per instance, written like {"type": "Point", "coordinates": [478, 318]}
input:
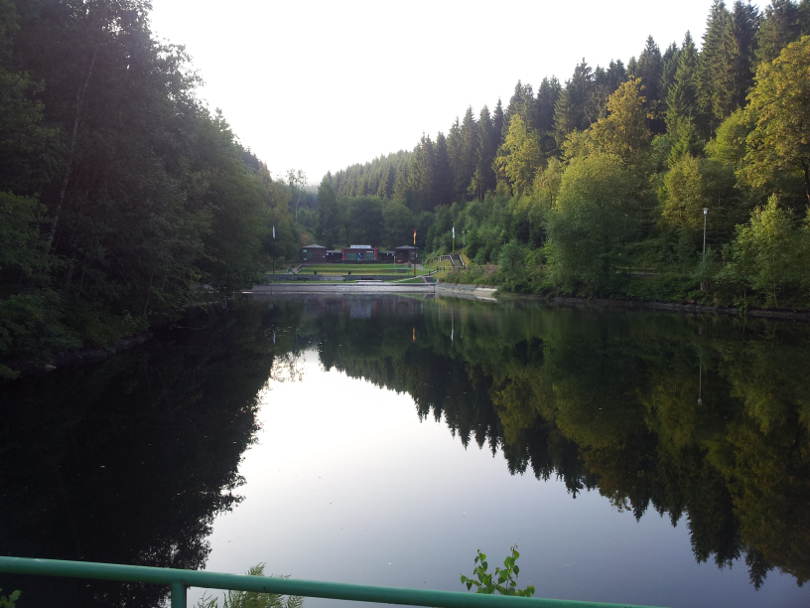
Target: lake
{"type": "Point", "coordinates": [637, 457]}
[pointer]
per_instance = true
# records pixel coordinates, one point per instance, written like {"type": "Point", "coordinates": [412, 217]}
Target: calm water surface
{"type": "Point", "coordinates": [632, 457]}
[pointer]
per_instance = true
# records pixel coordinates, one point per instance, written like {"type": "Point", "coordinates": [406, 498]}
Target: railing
{"type": "Point", "coordinates": [179, 580]}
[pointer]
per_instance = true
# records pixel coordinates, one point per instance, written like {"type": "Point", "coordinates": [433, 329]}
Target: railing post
{"type": "Point", "coordinates": [178, 595]}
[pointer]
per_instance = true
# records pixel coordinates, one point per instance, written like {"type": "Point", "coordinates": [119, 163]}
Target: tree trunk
{"type": "Point", "coordinates": [81, 95]}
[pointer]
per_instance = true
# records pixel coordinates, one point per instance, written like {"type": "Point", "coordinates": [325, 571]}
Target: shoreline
{"type": "Point", "coordinates": [93, 354]}
{"type": "Point", "coordinates": [689, 309]}
{"type": "Point", "coordinates": [453, 290]}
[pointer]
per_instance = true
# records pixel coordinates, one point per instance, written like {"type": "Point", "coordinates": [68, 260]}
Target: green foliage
{"type": "Point", "coordinates": [23, 255]}
{"type": "Point", "coordinates": [684, 195]}
{"type": "Point", "coordinates": [10, 600]}
{"type": "Point", "coordinates": [121, 196]}
{"type": "Point", "coordinates": [31, 326]}
{"type": "Point", "coordinates": [502, 580]}
{"type": "Point", "coordinates": [473, 274]}
{"type": "Point", "coordinates": [728, 144]}
{"type": "Point", "coordinates": [778, 143]}
{"type": "Point", "coordinates": [398, 224]}
{"type": "Point", "coordinates": [597, 214]}
{"type": "Point", "coordinates": [654, 119]}
{"type": "Point", "coordinates": [771, 252]}
{"type": "Point", "coordinates": [252, 599]}
{"type": "Point", "coordinates": [622, 133]}
{"type": "Point", "coordinates": [519, 156]}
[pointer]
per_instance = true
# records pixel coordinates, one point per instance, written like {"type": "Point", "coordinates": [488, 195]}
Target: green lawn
{"type": "Point", "coordinates": [354, 268]}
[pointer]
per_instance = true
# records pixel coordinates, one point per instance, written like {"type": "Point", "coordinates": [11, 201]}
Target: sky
{"type": "Point", "coordinates": [318, 86]}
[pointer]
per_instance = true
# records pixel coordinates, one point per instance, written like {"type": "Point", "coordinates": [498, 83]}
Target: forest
{"type": "Point", "coordinates": [598, 185]}
{"type": "Point", "coordinates": [123, 199]}
{"type": "Point", "coordinates": [682, 174]}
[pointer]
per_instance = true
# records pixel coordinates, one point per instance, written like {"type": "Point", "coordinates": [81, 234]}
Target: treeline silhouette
{"type": "Point", "coordinates": [123, 198]}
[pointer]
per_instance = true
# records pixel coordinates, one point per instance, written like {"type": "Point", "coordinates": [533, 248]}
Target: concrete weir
{"type": "Point", "coordinates": [471, 292]}
{"type": "Point", "coordinates": [369, 287]}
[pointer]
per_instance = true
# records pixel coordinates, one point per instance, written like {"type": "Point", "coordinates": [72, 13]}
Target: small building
{"type": "Point", "coordinates": [334, 255]}
{"type": "Point", "coordinates": [360, 253]}
{"type": "Point", "coordinates": [406, 254]}
{"type": "Point", "coordinates": [313, 253]}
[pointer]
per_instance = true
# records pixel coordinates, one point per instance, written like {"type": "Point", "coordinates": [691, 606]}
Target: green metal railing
{"type": "Point", "coordinates": [180, 580]}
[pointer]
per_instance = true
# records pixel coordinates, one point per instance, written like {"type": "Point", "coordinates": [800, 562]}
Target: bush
{"type": "Point", "coordinates": [253, 599]}
{"type": "Point", "coordinates": [503, 580]}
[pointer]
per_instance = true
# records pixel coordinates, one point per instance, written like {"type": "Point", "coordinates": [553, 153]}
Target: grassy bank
{"type": "Point", "coordinates": [714, 289]}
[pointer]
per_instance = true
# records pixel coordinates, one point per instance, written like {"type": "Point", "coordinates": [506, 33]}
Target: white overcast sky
{"type": "Point", "coordinates": [318, 86]}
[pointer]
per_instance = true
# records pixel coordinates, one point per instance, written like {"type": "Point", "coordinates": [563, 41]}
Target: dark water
{"type": "Point", "coordinates": [633, 457]}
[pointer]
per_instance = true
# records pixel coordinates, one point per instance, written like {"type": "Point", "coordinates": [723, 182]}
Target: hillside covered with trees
{"type": "Point", "coordinates": [123, 199]}
{"type": "Point", "coordinates": [597, 186]}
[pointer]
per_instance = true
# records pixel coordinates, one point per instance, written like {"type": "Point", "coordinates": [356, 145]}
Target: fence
{"type": "Point", "coordinates": [179, 580]}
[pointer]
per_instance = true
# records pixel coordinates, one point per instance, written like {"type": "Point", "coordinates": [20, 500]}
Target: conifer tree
{"type": "Point", "coordinates": [454, 155]}
{"type": "Point", "coordinates": [682, 111]}
{"type": "Point", "coordinates": [669, 64]}
{"type": "Point", "coordinates": [745, 23]}
{"type": "Point", "coordinates": [781, 25]}
{"type": "Point", "coordinates": [649, 70]}
{"type": "Point", "coordinates": [716, 73]}
{"type": "Point", "coordinates": [421, 176]}
{"type": "Point", "coordinates": [547, 95]}
{"type": "Point", "coordinates": [522, 103]}
{"type": "Point", "coordinates": [442, 174]}
{"type": "Point", "coordinates": [498, 121]}
{"type": "Point", "coordinates": [386, 186]}
{"type": "Point", "coordinates": [469, 155]}
{"type": "Point", "coordinates": [328, 213]}
{"type": "Point", "coordinates": [484, 176]}
{"type": "Point", "coordinates": [574, 109]}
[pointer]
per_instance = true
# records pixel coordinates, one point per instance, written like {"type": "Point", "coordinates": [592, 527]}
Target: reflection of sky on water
{"type": "Point", "coordinates": [346, 484]}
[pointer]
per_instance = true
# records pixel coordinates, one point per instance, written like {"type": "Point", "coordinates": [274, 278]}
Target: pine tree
{"type": "Point", "coordinates": [547, 95]}
{"type": "Point", "coordinates": [718, 60]}
{"type": "Point", "coordinates": [682, 110]}
{"type": "Point", "coordinates": [522, 103]}
{"type": "Point", "coordinates": [421, 177]}
{"type": "Point", "coordinates": [454, 155]}
{"type": "Point", "coordinates": [780, 26]}
{"type": "Point", "coordinates": [469, 154]}
{"type": "Point", "coordinates": [574, 109]}
{"type": "Point", "coordinates": [442, 175]}
{"type": "Point", "coordinates": [649, 70]}
{"type": "Point", "coordinates": [484, 176]}
{"type": "Point", "coordinates": [669, 65]}
{"type": "Point", "coordinates": [498, 122]}
{"type": "Point", "coordinates": [328, 213]}
{"type": "Point", "coordinates": [606, 81]}
{"type": "Point", "coordinates": [745, 23]}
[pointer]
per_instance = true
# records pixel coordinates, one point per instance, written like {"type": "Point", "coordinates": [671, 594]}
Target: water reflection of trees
{"type": "Point", "coordinates": [704, 418]}
{"type": "Point", "coordinates": [130, 461]}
